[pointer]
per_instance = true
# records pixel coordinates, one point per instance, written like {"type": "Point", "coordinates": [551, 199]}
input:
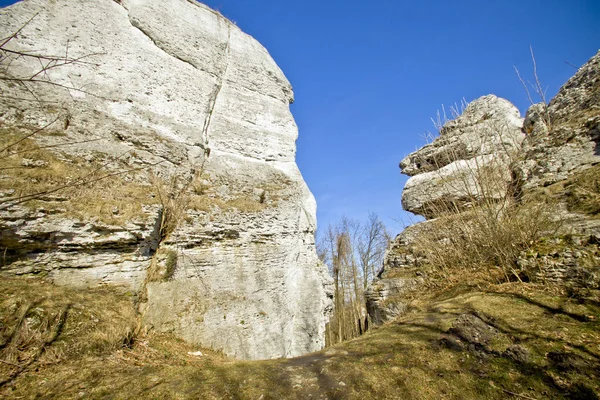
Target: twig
{"type": "Point", "coordinates": [10, 363]}
{"type": "Point", "coordinates": [524, 85]}
{"type": "Point", "coordinates": [55, 145]}
{"type": "Point", "coordinates": [515, 394]}
{"type": "Point", "coordinates": [17, 326]}
{"type": "Point", "coordinates": [62, 318]}
{"type": "Point", "coordinates": [7, 203]}
{"type": "Point", "coordinates": [28, 136]}
{"type": "Point", "coordinates": [14, 35]}
{"type": "Point", "coordinates": [48, 82]}
{"type": "Point", "coordinates": [572, 65]}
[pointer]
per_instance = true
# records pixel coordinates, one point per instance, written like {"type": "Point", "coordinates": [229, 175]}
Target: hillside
{"type": "Point", "coordinates": [493, 342]}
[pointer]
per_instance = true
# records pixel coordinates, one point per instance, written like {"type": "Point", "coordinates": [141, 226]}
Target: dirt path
{"type": "Point", "coordinates": [310, 378]}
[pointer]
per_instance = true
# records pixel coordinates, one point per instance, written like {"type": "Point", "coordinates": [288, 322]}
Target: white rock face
{"type": "Point", "coordinates": [468, 162]}
{"type": "Point", "coordinates": [172, 88]}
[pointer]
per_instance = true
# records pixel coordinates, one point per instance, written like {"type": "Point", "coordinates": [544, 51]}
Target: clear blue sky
{"type": "Point", "coordinates": [368, 76]}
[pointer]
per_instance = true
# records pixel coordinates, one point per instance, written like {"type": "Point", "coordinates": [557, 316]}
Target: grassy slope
{"type": "Point", "coordinates": [97, 355]}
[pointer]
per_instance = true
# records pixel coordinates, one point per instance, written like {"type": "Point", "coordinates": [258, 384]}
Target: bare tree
{"type": "Point", "coordinates": [353, 252]}
{"type": "Point", "coordinates": [371, 247]}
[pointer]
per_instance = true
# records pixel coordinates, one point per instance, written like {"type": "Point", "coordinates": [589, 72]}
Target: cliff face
{"type": "Point", "coordinates": [170, 130]}
{"type": "Point", "coordinates": [490, 157]}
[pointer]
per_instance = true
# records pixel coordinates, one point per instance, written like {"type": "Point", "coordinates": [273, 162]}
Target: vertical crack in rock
{"type": "Point", "coordinates": [238, 274]}
{"type": "Point", "coordinates": [215, 94]}
{"type": "Point", "coordinates": [149, 246]}
{"type": "Point", "coordinates": [219, 78]}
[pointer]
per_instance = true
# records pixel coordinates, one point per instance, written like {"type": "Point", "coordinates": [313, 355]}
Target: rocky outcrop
{"type": "Point", "coordinates": [448, 172]}
{"type": "Point", "coordinates": [564, 137]}
{"type": "Point", "coordinates": [388, 296]}
{"type": "Point", "coordinates": [489, 154]}
{"type": "Point", "coordinates": [573, 261]}
{"type": "Point", "coordinates": [169, 131]}
{"type": "Point", "coordinates": [78, 253]}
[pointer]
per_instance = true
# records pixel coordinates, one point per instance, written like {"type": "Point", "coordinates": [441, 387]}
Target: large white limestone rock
{"type": "Point", "coordinates": [174, 90]}
{"type": "Point", "coordinates": [469, 162]}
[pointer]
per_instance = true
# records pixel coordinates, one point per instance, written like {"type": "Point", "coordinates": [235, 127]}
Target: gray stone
{"type": "Point", "coordinates": [473, 330]}
{"type": "Point", "coordinates": [177, 91]}
{"type": "Point", "coordinates": [387, 297]}
{"type": "Point", "coordinates": [469, 162]}
{"type": "Point", "coordinates": [569, 140]}
{"type": "Point", "coordinates": [554, 142]}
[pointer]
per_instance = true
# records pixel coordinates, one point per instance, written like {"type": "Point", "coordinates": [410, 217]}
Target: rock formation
{"type": "Point", "coordinates": [564, 137]}
{"type": "Point", "coordinates": [552, 153]}
{"type": "Point", "coordinates": [169, 131]}
{"type": "Point", "coordinates": [400, 275]}
{"type": "Point", "coordinates": [441, 173]}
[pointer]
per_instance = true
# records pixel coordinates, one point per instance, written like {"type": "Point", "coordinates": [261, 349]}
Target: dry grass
{"type": "Point", "coordinates": [163, 265]}
{"type": "Point", "coordinates": [582, 191]}
{"type": "Point", "coordinates": [112, 200]}
{"type": "Point", "coordinates": [44, 325]}
{"type": "Point", "coordinates": [485, 240]}
{"type": "Point", "coordinates": [403, 359]}
{"type": "Point", "coordinates": [204, 197]}
{"type": "Point", "coordinates": [207, 203]}
{"type": "Point", "coordinates": [488, 221]}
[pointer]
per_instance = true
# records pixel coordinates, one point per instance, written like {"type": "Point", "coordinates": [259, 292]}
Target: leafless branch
{"type": "Point", "coordinates": [538, 88]}
{"type": "Point", "coordinates": [27, 136]}
{"type": "Point", "coordinates": [86, 180]}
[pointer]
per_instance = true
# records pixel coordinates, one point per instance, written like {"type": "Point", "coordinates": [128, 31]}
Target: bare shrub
{"type": "Point", "coordinates": [175, 196]}
{"type": "Point", "coordinates": [490, 222]}
{"type": "Point", "coordinates": [539, 90]}
{"type": "Point", "coordinates": [489, 238]}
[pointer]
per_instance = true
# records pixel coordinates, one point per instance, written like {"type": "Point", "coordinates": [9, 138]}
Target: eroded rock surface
{"type": "Point", "coordinates": [552, 153]}
{"type": "Point", "coordinates": [387, 297]}
{"type": "Point", "coordinates": [444, 172]}
{"type": "Point", "coordinates": [564, 138]}
{"type": "Point", "coordinates": [205, 215]}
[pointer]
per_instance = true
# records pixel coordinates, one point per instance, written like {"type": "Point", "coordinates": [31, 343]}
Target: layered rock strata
{"type": "Point", "coordinates": [468, 162]}
{"type": "Point", "coordinates": [563, 138]}
{"type": "Point", "coordinates": [552, 153]}
{"type": "Point", "coordinates": [400, 275]}
{"type": "Point", "coordinates": [170, 131]}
